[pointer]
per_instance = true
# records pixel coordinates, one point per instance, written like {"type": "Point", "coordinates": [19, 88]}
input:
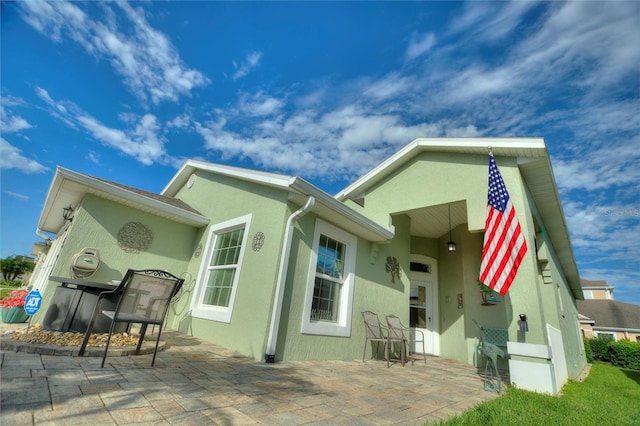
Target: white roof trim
{"type": "Point", "coordinates": [267, 178]}
{"type": "Point", "coordinates": [600, 328]}
{"type": "Point", "coordinates": [293, 184]}
{"type": "Point", "coordinates": [63, 175]}
{"type": "Point", "coordinates": [478, 145]}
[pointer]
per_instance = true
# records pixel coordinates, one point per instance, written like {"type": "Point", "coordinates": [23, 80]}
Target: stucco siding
{"type": "Point", "coordinates": [221, 199]}
{"type": "Point", "coordinates": [373, 291]}
{"type": "Point", "coordinates": [428, 180]}
{"type": "Point", "coordinates": [96, 224]}
{"type": "Point", "coordinates": [558, 307]}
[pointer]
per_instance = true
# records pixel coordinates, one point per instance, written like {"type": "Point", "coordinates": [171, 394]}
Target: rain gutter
{"type": "Point", "coordinates": [270, 353]}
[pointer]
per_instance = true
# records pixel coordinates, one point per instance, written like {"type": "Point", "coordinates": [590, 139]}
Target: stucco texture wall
{"type": "Point", "coordinates": [446, 178]}
{"type": "Point", "coordinates": [99, 224]}
{"type": "Point", "coordinates": [373, 291]}
{"type": "Point", "coordinates": [222, 199]}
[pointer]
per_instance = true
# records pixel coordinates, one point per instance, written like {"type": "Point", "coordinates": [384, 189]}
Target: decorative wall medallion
{"type": "Point", "coordinates": [258, 241]}
{"type": "Point", "coordinates": [191, 180]}
{"type": "Point", "coordinates": [393, 267]}
{"type": "Point", "coordinates": [135, 237]}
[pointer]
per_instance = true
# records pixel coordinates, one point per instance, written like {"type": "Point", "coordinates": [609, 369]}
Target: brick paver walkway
{"type": "Point", "coordinates": [195, 382]}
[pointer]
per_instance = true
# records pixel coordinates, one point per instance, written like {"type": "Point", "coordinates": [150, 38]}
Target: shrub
{"type": "Point", "coordinates": [600, 348]}
{"type": "Point", "coordinates": [587, 349]}
{"type": "Point", "coordinates": [625, 354]}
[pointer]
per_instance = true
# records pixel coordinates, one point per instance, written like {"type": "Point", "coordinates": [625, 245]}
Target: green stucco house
{"type": "Point", "coordinates": [277, 269]}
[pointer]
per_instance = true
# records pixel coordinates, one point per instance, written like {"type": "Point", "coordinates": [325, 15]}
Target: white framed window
{"type": "Point", "coordinates": [220, 270]}
{"type": "Point", "coordinates": [605, 334]}
{"type": "Point", "coordinates": [329, 297]}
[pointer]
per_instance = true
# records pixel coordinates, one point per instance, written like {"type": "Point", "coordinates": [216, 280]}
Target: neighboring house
{"type": "Point", "coordinates": [601, 315]}
{"type": "Point", "coordinates": [277, 269]}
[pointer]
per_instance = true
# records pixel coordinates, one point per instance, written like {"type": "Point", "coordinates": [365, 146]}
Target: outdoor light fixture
{"type": "Point", "coordinates": [67, 213]}
{"type": "Point", "coordinates": [451, 245]}
{"type": "Point", "coordinates": [523, 323]}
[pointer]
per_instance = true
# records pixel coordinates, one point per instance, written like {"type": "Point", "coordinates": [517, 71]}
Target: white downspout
{"type": "Point", "coordinates": [270, 352]}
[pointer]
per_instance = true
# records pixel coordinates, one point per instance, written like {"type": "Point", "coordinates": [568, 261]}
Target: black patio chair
{"type": "Point", "coordinates": [145, 299]}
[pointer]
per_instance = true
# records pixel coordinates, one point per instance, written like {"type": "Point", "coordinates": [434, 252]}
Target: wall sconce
{"type": "Point", "coordinates": [451, 245]}
{"type": "Point", "coordinates": [523, 323]}
{"type": "Point", "coordinates": [67, 213]}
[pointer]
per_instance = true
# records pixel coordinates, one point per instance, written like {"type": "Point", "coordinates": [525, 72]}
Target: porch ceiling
{"type": "Point", "coordinates": [433, 221]}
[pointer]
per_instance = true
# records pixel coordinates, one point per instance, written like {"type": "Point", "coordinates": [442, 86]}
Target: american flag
{"type": "Point", "coordinates": [504, 244]}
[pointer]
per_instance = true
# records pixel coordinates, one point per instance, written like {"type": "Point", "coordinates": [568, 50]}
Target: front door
{"type": "Point", "coordinates": [423, 305]}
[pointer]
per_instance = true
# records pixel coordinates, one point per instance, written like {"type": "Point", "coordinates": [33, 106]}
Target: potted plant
{"type": "Point", "coordinates": [485, 293]}
{"type": "Point", "coordinates": [12, 307]}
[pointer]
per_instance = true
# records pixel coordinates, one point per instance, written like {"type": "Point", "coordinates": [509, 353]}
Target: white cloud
{"type": "Point", "coordinates": [491, 20]}
{"type": "Point", "coordinates": [598, 40]}
{"type": "Point", "coordinates": [144, 57]}
{"type": "Point", "coordinates": [93, 157]}
{"type": "Point", "coordinates": [179, 122]}
{"type": "Point", "coordinates": [63, 110]}
{"type": "Point", "coordinates": [260, 104]}
{"type": "Point", "coordinates": [142, 143]}
{"type": "Point", "coordinates": [16, 195]}
{"type": "Point", "coordinates": [142, 140]}
{"type": "Point", "coordinates": [11, 158]}
{"type": "Point", "coordinates": [390, 86]}
{"type": "Point", "coordinates": [352, 138]}
{"type": "Point", "coordinates": [250, 62]}
{"type": "Point", "coordinates": [10, 123]}
{"type": "Point", "coordinates": [604, 236]}
{"type": "Point", "coordinates": [607, 167]}
{"type": "Point", "coordinates": [420, 45]}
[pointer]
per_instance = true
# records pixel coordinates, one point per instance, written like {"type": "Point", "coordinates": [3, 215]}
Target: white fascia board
{"type": "Point", "coordinates": [56, 183]}
{"type": "Point", "coordinates": [63, 174]}
{"type": "Point", "coordinates": [265, 178]}
{"type": "Point", "coordinates": [302, 186]}
{"type": "Point", "coordinates": [480, 145]}
{"type": "Point", "coordinates": [292, 184]}
{"type": "Point", "coordinates": [621, 329]}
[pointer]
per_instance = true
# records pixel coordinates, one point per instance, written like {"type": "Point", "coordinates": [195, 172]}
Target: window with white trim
{"type": "Point", "coordinates": [610, 335]}
{"type": "Point", "coordinates": [330, 283]}
{"type": "Point", "coordinates": [220, 270]}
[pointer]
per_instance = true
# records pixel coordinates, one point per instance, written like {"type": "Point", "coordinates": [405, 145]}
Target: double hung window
{"type": "Point", "coordinates": [331, 282]}
{"type": "Point", "coordinates": [220, 270]}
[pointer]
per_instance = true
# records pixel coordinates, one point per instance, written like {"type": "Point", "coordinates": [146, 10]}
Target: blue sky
{"type": "Point", "coordinates": [327, 90]}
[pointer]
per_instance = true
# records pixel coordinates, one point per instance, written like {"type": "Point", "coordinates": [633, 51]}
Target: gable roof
{"type": "Point", "coordinates": [535, 169]}
{"type": "Point", "coordinates": [326, 206]}
{"type": "Point", "coordinates": [69, 187]}
{"type": "Point", "coordinates": [611, 314]}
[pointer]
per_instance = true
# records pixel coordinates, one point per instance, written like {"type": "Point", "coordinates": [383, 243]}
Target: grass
{"type": "Point", "coordinates": [609, 395]}
{"type": "Point", "coordinates": [7, 287]}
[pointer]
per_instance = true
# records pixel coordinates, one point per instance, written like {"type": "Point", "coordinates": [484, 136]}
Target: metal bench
{"type": "Point", "coordinates": [491, 343]}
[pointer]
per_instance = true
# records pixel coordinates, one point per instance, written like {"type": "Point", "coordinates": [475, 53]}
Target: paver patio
{"type": "Point", "coordinates": [195, 382]}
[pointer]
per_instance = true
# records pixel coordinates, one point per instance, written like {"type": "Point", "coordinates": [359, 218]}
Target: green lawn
{"type": "Point", "coordinates": [608, 396]}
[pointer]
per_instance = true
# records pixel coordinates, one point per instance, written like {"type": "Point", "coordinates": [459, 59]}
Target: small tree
{"type": "Point", "coordinates": [14, 266]}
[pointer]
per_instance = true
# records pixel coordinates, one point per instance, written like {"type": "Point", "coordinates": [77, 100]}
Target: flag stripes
{"type": "Point", "coordinates": [504, 244]}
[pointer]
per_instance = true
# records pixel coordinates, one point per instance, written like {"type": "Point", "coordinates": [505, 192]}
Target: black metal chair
{"type": "Point", "coordinates": [145, 299]}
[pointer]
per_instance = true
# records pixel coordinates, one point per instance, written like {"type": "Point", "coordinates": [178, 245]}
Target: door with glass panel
{"type": "Point", "coordinates": [423, 306]}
